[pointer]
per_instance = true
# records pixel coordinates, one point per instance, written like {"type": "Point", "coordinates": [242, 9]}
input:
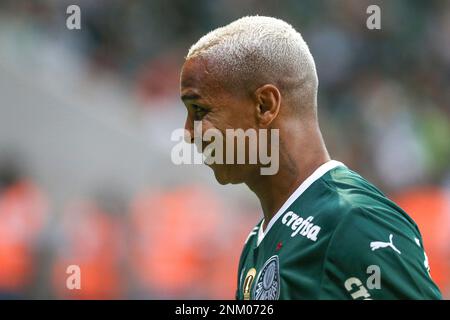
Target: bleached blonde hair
{"type": "Point", "coordinates": [259, 50]}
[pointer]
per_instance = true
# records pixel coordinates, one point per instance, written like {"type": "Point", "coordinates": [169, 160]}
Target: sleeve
{"type": "Point", "coordinates": [376, 255]}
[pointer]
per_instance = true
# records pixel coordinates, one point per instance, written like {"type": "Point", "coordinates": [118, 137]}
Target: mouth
{"type": "Point", "coordinates": [201, 146]}
{"type": "Point", "coordinates": [208, 153]}
{"type": "Point", "coordinates": [208, 156]}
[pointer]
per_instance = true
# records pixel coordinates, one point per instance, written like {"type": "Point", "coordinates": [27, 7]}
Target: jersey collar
{"type": "Point", "coordinates": [317, 174]}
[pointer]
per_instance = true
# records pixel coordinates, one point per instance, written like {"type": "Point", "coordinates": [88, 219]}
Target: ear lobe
{"type": "Point", "coordinates": [269, 100]}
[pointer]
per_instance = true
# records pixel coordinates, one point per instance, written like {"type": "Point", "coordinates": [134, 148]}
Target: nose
{"type": "Point", "coordinates": [188, 131]}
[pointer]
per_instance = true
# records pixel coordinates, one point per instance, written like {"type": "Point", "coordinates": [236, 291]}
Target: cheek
{"type": "Point", "coordinates": [243, 116]}
{"type": "Point", "coordinates": [207, 125]}
{"type": "Point", "coordinates": [209, 130]}
{"type": "Point", "coordinates": [214, 120]}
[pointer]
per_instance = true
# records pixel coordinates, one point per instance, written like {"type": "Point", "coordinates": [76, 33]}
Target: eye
{"type": "Point", "coordinates": [199, 112]}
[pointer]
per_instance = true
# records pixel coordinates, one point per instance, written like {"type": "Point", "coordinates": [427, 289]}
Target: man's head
{"type": "Point", "coordinates": [255, 73]}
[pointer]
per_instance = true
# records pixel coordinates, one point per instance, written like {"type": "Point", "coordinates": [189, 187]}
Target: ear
{"type": "Point", "coordinates": [268, 99]}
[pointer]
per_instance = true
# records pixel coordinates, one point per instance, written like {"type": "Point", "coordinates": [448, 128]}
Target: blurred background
{"type": "Point", "coordinates": [85, 123]}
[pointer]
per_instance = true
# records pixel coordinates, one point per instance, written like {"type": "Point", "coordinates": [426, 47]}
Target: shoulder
{"type": "Point", "coordinates": [362, 229]}
{"type": "Point", "coordinates": [343, 201]}
{"type": "Point", "coordinates": [356, 217]}
{"type": "Point", "coordinates": [364, 215]}
{"type": "Point", "coordinates": [370, 244]}
{"type": "Point", "coordinates": [349, 203]}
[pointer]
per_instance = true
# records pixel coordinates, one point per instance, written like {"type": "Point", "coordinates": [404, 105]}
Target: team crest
{"type": "Point", "coordinates": [267, 285]}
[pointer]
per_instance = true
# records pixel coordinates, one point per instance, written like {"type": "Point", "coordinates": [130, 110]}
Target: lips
{"type": "Point", "coordinates": [201, 145]}
{"type": "Point", "coordinates": [208, 154]}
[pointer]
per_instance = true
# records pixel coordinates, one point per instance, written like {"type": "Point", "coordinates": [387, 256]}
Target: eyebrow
{"type": "Point", "coordinates": [191, 96]}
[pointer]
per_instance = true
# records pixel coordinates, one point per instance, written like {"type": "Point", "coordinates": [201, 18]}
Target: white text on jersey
{"type": "Point", "coordinates": [300, 226]}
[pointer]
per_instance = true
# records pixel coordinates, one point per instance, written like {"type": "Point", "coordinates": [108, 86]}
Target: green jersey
{"type": "Point", "coordinates": [336, 237]}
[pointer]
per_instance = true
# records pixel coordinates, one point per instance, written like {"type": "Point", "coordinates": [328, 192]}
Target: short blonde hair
{"type": "Point", "coordinates": [258, 47]}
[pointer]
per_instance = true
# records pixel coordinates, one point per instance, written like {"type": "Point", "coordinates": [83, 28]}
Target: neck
{"type": "Point", "coordinates": [297, 161]}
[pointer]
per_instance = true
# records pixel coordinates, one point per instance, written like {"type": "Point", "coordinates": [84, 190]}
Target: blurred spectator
{"type": "Point", "coordinates": [23, 212]}
{"type": "Point", "coordinates": [92, 239]}
{"type": "Point", "coordinates": [185, 245]}
{"type": "Point", "coordinates": [430, 209]}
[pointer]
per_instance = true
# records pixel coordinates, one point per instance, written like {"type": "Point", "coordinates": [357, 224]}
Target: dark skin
{"type": "Point", "coordinates": [220, 104]}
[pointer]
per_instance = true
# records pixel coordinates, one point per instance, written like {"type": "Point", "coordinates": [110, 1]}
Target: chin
{"type": "Point", "coordinates": [224, 175]}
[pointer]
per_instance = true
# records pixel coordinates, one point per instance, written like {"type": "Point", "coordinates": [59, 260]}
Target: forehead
{"type": "Point", "coordinates": [193, 73]}
{"type": "Point", "coordinates": [198, 79]}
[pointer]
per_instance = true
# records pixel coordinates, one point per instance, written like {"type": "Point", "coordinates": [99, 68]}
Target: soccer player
{"type": "Point", "coordinates": [327, 233]}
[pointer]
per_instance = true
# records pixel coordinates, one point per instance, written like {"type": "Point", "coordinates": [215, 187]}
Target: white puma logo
{"type": "Point", "coordinates": [379, 244]}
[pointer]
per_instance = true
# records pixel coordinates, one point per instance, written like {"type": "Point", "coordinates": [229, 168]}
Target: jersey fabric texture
{"type": "Point", "coordinates": [336, 237]}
